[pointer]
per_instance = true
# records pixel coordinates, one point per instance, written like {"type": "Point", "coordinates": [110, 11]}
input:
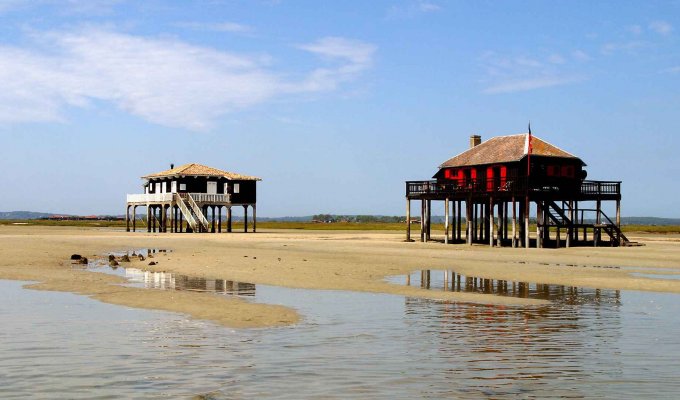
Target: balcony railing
{"type": "Point", "coordinates": [149, 198]}
{"type": "Point", "coordinates": [167, 197]}
{"type": "Point", "coordinates": [208, 198]}
{"type": "Point", "coordinates": [511, 186]}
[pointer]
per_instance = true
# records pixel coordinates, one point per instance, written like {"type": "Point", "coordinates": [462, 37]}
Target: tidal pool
{"type": "Point", "coordinates": [349, 345]}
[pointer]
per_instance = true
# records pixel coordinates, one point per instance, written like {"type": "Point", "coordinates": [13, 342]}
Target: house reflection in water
{"type": "Point", "coordinates": [452, 281]}
{"type": "Point", "coordinates": [506, 351]}
{"type": "Point", "coordinates": [170, 281]}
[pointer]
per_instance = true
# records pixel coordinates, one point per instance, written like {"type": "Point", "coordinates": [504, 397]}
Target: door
{"type": "Point", "coordinates": [174, 187]}
{"type": "Point", "coordinates": [212, 187]}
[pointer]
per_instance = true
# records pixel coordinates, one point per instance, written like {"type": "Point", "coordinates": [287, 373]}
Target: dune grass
{"type": "Point", "coordinates": [337, 226]}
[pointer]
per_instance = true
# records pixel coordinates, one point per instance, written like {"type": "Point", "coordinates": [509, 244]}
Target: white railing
{"type": "Point", "coordinates": [197, 211]}
{"type": "Point", "coordinates": [149, 198]}
{"type": "Point", "coordinates": [210, 198]}
{"type": "Point", "coordinates": [186, 212]}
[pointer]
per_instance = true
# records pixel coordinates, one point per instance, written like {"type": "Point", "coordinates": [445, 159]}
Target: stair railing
{"type": "Point", "coordinates": [199, 214]}
{"type": "Point", "coordinates": [186, 212]}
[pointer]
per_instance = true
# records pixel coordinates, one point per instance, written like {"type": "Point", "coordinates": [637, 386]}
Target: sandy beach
{"type": "Point", "coordinates": [356, 261]}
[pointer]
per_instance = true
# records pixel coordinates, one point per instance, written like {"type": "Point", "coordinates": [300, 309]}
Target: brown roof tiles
{"type": "Point", "coordinates": [502, 149]}
{"type": "Point", "coordinates": [194, 169]}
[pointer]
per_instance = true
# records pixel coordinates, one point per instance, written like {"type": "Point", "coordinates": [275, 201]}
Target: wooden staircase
{"type": "Point", "coordinates": [192, 213]}
{"type": "Point", "coordinates": [560, 216]}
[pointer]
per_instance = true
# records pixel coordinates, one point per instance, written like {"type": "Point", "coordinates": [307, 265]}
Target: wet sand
{"type": "Point", "coordinates": [357, 260]}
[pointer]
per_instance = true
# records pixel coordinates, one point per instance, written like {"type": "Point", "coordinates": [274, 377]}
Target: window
{"type": "Point", "coordinates": [182, 186]}
{"type": "Point", "coordinates": [237, 188]}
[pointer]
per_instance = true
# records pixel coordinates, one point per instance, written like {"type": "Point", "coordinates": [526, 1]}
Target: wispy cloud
{"type": "Point", "coordinates": [661, 27]}
{"type": "Point", "coordinates": [672, 70]}
{"type": "Point", "coordinates": [522, 85]}
{"type": "Point", "coordinates": [412, 9]}
{"type": "Point", "coordinates": [164, 81]}
{"type": "Point", "coordinates": [354, 56]}
{"type": "Point", "coordinates": [85, 7]}
{"type": "Point", "coordinates": [630, 47]}
{"type": "Point", "coordinates": [523, 73]}
{"type": "Point", "coordinates": [216, 27]}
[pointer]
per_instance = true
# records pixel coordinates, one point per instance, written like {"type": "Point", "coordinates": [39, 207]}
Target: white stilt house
{"type": "Point", "coordinates": [190, 198]}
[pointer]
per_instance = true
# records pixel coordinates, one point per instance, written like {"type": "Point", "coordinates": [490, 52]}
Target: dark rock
{"type": "Point", "coordinates": [113, 263]}
{"type": "Point", "coordinates": [141, 257]}
{"type": "Point", "coordinates": [112, 257]}
{"type": "Point", "coordinates": [152, 263]}
{"type": "Point", "coordinates": [76, 257]}
{"type": "Point", "coordinates": [125, 258]}
{"type": "Point", "coordinates": [83, 260]}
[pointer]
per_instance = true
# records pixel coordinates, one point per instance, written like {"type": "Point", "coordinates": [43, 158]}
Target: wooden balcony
{"type": "Point", "coordinates": [535, 188]}
{"type": "Point", "coordinates": [156, 198]}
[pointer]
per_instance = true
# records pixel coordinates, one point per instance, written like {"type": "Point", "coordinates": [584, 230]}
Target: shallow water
{"type": "Point", "coordinates": [349, 345]}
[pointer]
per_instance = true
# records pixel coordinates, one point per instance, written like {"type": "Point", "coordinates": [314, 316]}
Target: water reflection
{"type": "Point", "coordinates": [452, 281]}
{"type": "Point", "coordinates": [171, 281]}
{"type": "Point", "coordinates": [166, 280]}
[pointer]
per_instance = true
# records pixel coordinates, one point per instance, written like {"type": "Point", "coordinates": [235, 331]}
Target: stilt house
{"type": "Point", "coordinates": [193, 195]}
{"type": "Point", "coordinates": [494, 183]}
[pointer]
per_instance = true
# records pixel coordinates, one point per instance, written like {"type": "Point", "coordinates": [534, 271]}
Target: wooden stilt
{"type": "Point", "coordinates": [428, 232]}
{"type": "Point", "coordinates": [134, 218]}
{"type": "Point", "coordinates": [453, 221]}
{"type": "Point", "coordinates": [212, 214]}
{"type": "Point", "coordinates": [468, 222]}
{"type": "Point", "coordinates": [527, 210]}
{"type": "Point", "coordinates": [254, 218]}
{"type": "Point", "coordinates": [228, 219]}
{"type": "Point", "coordinates": [219, 219]}
{"type": "Point", "coordinates": [492, 224]}
{"type": "Point", "coordinates": [408, 219]}
{"type": "Point", "coordinates": [514, 223]}
{"type": "Point", "coordinates": [127, 218]}
{"type": "Point", "coordinates": [422, 220]}
{"type": "Point", "coordinates": [539, 225]}
{"type": "Point", "coordinates": [459, 225]}
{"type": "Point", "coordinates": [446, 221]}
{"type": "Point", "coordinates": [245, 218]}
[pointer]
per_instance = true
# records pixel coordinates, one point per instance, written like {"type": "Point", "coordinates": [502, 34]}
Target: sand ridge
{"type": "Point", "coordinates": [357, 260]}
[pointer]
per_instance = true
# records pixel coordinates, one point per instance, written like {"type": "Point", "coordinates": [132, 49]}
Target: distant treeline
{"type": "Point", "coordinates": [361, 219]}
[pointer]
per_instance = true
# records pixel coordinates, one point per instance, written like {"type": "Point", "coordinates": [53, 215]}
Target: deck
{"type": "Point", "coordinates": [536, 189]}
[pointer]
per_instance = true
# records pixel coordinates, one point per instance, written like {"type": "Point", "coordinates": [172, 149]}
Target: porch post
{"type": "Point", "coordinates": [254, 218]}
{"type": "Point", "coordinates": [446, 220]}
{"type": "Point", "coordinates": [245, 218]}
{"type": "Point", "coordinates": [408, 219]}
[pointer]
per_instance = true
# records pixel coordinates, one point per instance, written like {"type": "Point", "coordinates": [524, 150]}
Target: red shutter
{"type": "Point", "coordinates": [489, 179]}
{"type": "Point", "coordinates": [504, 175]}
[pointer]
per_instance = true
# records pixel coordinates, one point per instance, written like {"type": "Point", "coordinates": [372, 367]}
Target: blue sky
{"type": "Point", "coordinates": [333, 104]}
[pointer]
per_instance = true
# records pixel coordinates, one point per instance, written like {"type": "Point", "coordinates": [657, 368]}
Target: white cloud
{"type": "Point", "coordinates": [630, 47]}
{"type": "Point", "coordinates": [580, 55]}
{"type": "Point", "coordinates": [661, 27]}
{"type": "Point", "coordinates": [672, 70]}
{"type": "Point", "coordinates": [216, 27]}
{"type": "Point", "coordinates": [635, 29]}
{"type": "Point", "coordinates": [522, 85]}
{"type": "Point", "coordinates": [356, 57]}
{"type": "Point", "coordinates": [165, 81]}
{"type": "Point", "coordinates": [412, 9]}
{"type": "Point", "coordinates": [523, 73]}
{"type": "Point", "coordinates": [556, 59]}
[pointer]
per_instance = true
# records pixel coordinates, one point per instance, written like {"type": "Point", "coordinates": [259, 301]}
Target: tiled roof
{"type": "Point", "coordinates": [501, 149]}
{"type": "Point", "coordinates": [194, 169]}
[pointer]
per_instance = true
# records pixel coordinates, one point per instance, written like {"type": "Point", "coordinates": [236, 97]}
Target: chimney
{"type": "Point", "coordinates": [475, 140]}
{"type": "Point", "coordinates": [172, 166]}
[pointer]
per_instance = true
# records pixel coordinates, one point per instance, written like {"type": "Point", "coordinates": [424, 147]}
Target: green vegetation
{"type": "Point", "coordinates": [334, 226]}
